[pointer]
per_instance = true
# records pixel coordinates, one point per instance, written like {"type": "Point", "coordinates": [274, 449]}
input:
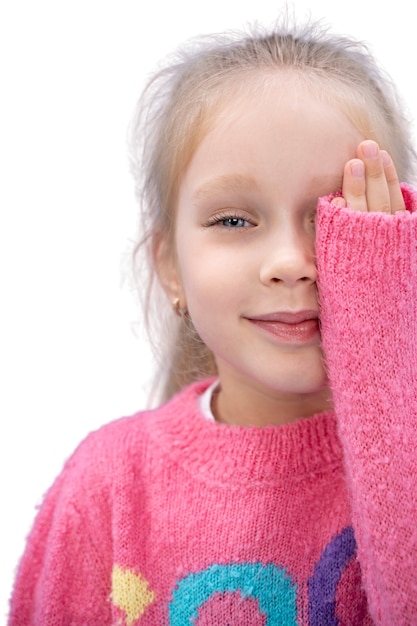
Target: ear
{"type": "Point", "coordinates": [167, 267]}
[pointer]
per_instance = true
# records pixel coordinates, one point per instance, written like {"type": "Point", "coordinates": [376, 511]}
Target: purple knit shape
{"type": "Point", "coordinates": [322, 585]}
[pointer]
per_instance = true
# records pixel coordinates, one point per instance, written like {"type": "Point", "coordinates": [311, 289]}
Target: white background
{"type": "Point", "coordinates": [73, 353]}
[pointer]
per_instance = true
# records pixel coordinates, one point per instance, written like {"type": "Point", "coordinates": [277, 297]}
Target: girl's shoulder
{"type": "Point", "coordinates": [132, 429]}
{"type": "Point", "coordinates": [127, 437]}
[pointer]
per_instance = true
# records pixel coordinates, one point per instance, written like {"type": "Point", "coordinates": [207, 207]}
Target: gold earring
{"type": "Point", "coordinates": [181, 312]}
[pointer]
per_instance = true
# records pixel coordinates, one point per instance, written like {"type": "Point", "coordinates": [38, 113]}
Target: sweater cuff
{"type": "Point", "coordinates": [359, 247]}
{"type": "Point", "coordinates": [367, 282]}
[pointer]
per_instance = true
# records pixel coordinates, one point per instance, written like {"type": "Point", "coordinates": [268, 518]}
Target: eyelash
{"type": "Point", "coordinates": [218, 220]}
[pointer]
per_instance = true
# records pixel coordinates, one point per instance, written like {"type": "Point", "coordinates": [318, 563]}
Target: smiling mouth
{"type": "Point", "coordinates": [300, 328]}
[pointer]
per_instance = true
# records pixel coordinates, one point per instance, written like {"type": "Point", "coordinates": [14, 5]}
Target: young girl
{"type": "Point", "coordinates": [279, 484]}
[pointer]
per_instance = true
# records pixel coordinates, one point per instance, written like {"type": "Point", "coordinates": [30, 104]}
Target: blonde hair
{"type": "Point", "coordinates": [174, 115]}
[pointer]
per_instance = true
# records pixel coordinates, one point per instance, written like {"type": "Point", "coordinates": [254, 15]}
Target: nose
{"type": "Point", "coordinates": [289, 259]}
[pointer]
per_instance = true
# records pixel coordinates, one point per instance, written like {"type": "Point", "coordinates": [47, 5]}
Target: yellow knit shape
{"type": "Point", "coordinates": [130, 593]}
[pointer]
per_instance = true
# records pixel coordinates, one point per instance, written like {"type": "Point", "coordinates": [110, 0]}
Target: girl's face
{"type": "Point", "coordinates": [245, 247]}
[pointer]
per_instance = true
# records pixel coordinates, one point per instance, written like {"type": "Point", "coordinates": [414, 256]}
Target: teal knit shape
{"type": "Point", "coordinates": [269, 585]}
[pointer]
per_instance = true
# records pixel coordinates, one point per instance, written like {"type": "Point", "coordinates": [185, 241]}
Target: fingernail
{"type": "Point", "coordinates": [358, 169]}
{"type": "Point", "coordinates": [370, 149]}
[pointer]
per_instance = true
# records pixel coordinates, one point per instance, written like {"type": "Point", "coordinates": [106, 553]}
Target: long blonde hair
{"type": "Point", "coordinates": [173, 116]}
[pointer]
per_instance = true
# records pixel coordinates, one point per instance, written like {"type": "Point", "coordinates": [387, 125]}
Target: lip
{"type": "Point", "coordinates": [286, 317]}
{"type": "Point", "coordinates": [297, 327]}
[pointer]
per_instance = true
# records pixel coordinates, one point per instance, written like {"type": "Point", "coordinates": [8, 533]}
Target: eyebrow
{"type": "Point", "coordinates": [224, 183]}
{"type": "Point", "coordinates": [238, 182]}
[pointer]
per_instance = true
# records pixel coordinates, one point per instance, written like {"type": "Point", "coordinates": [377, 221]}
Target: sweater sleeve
{"type": "Point", "coordinates": [367, 268]}
{"type": "Point", "coordinates": [65, 574]}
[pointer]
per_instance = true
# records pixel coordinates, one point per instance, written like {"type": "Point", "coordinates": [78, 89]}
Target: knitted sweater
{"type": "Point", "coordinates": [167, 518]}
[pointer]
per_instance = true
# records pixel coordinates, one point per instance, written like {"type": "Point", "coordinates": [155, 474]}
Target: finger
{"type": "Point", "coordinates": [395, 193]}
{"type": "Point", "coordinates": [377, 192]}
{"type": "Point", "coordinates": [354, 185]}
{"type": "Point", "coordinates": [339, 201]}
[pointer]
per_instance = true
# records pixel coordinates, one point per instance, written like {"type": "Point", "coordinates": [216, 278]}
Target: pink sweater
{"type": "Point", "coordinates": [166, 518]}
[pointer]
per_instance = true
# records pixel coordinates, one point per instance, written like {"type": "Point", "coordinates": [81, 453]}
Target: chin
{"type": "Point", "coordinates": [300, 384]}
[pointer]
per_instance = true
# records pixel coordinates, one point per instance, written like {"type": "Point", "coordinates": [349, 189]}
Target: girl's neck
{"type": "Point", "coordinates": [257, 408]}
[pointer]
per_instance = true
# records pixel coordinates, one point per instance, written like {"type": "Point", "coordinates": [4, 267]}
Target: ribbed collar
{"type": "Point", "coordinates": [220, 453]}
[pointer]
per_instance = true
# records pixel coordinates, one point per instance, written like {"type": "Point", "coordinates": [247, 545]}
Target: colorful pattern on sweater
{"type": "Point", "coordinates": [245, 594]}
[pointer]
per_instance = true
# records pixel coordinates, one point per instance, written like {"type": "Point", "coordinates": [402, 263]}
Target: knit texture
{"type": "Point", "coordinates": [167, 518]}
{"type": "Point", "coordinates": [367, 264]}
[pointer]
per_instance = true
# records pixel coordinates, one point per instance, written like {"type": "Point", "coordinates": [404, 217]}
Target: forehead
{"type": "Point", "coordinates": [283, 89]}
{"type": "Point", "coordinates": [270, 130]}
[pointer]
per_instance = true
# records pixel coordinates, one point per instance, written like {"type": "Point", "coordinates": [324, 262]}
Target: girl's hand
{"type": "Point", "coordinates": [370, 182]}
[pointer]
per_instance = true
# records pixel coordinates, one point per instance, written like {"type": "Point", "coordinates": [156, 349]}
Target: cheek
{"type": "Point", "coordinates": [211, 291]}
{"type": "Point", "coordinates": [207, 285]}
{"type": "Point", "coordinates": [203, 268]}
{"type": "Point", "coordinates": [215, 275]}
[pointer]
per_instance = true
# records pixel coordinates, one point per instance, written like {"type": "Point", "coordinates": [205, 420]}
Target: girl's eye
{"type": "Point", "coordinates": [229, 221]}
{"type": "Point", "coordinates": [235, 222]}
